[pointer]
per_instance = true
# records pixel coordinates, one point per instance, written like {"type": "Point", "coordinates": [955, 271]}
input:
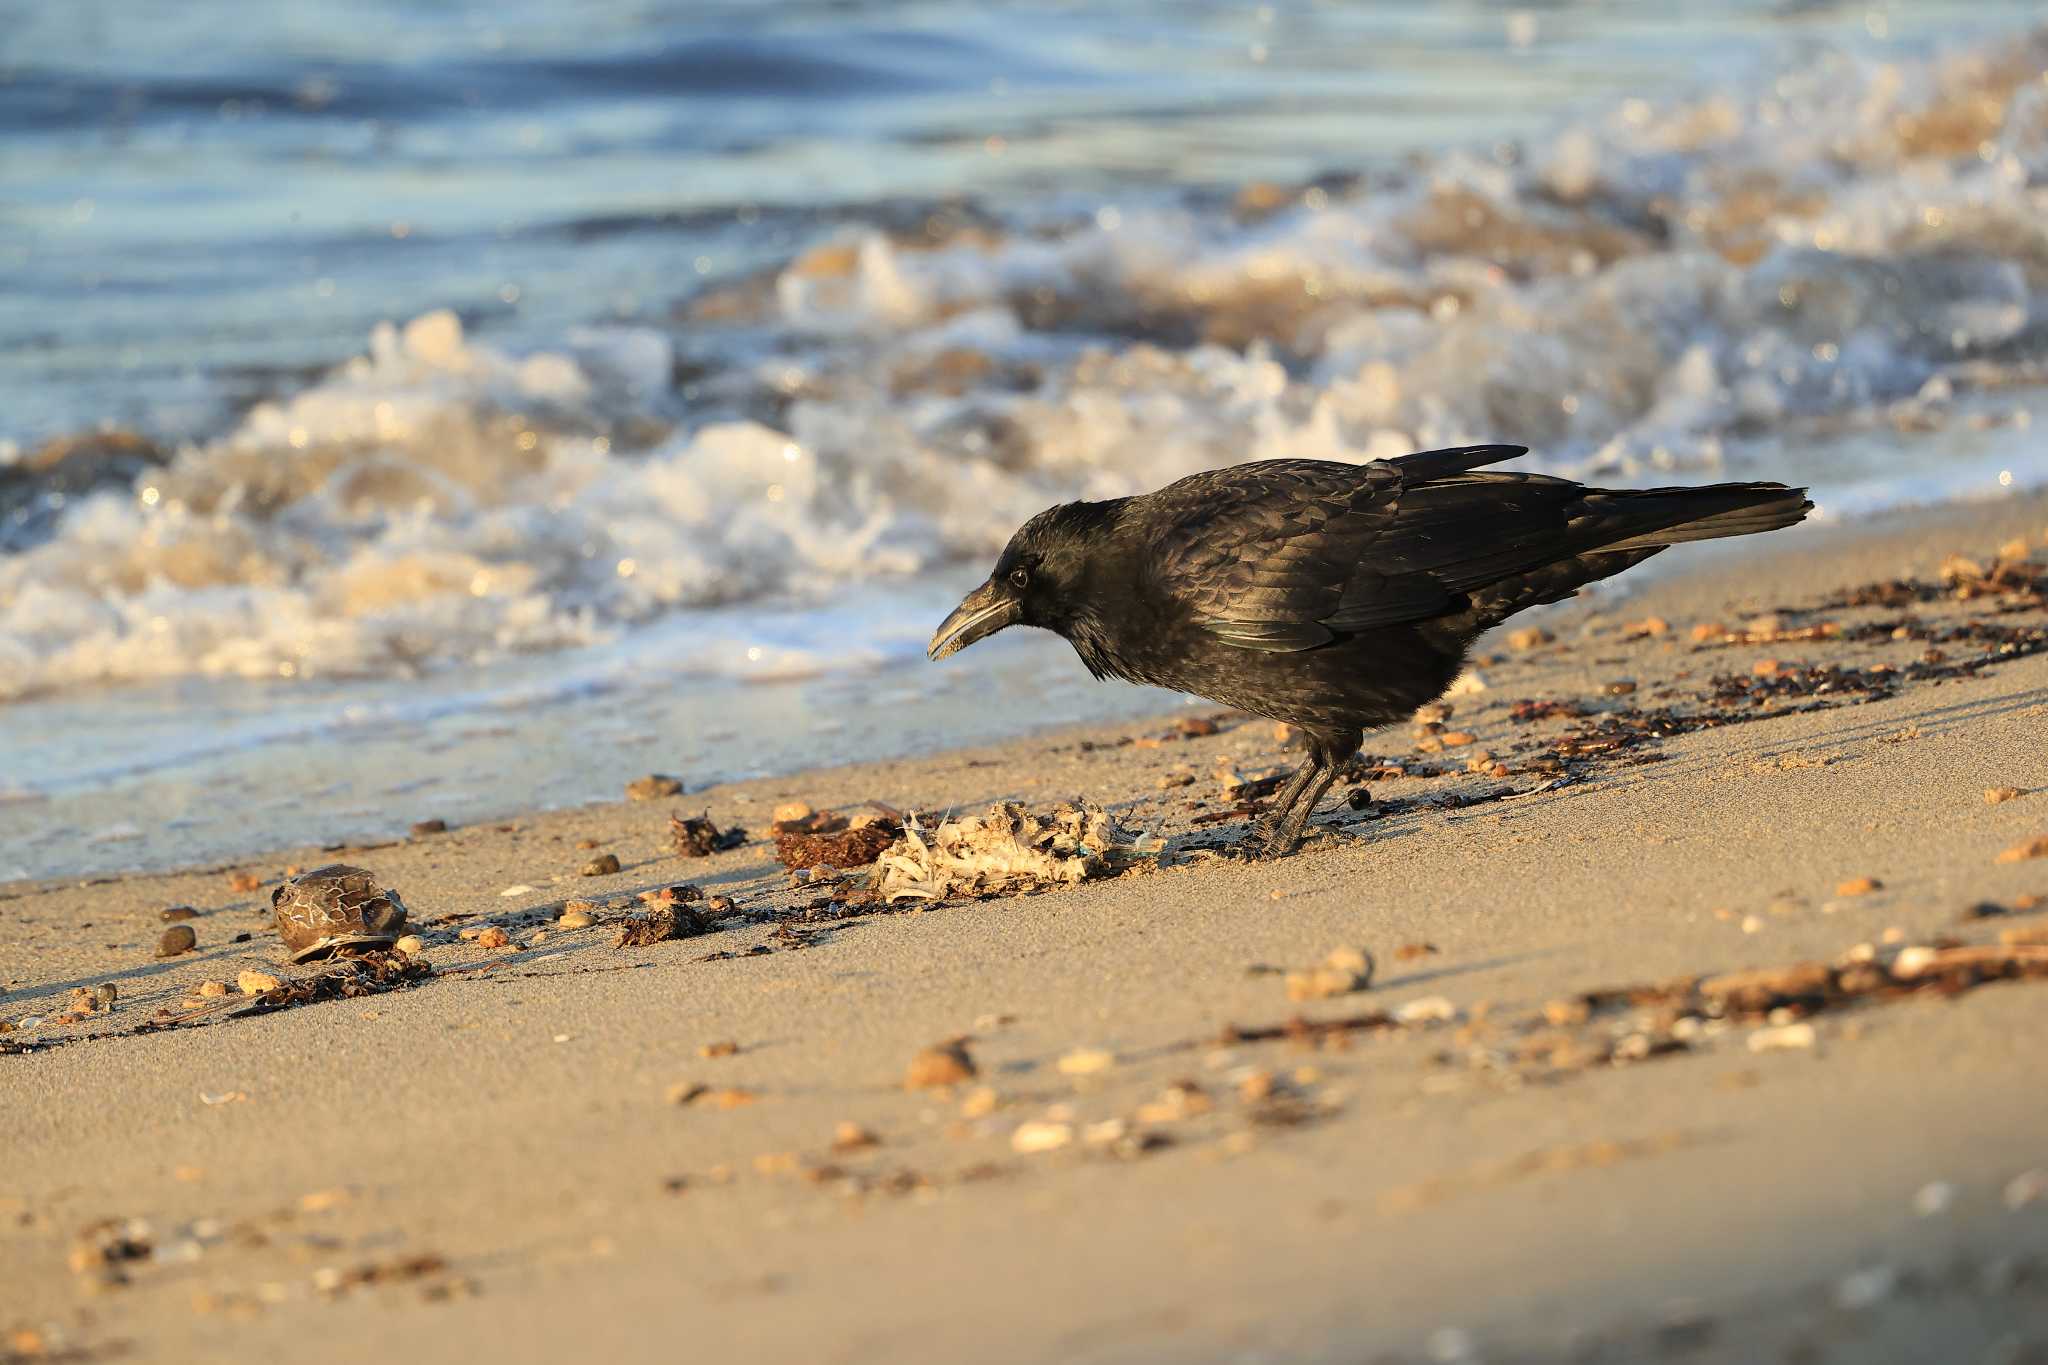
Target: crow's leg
{"type": "Point", "coordinates": [1280, 830]}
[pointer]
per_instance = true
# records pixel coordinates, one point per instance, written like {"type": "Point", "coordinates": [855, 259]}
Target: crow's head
{"type": "Point", "coordinates": [1044, 577]}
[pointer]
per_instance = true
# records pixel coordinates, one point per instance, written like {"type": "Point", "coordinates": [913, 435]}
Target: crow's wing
{"type": "Point", "coordinates": [1283, 555]}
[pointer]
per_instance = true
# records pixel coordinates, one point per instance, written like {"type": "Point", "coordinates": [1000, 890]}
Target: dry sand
{"type": "Point", "coordinates": [488, 1166]}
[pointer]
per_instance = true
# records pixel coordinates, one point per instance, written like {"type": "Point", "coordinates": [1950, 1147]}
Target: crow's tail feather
{"type": "Point", "coordinates": [1641, 519]}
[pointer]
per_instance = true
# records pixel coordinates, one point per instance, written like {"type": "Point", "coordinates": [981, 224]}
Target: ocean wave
{"type": "Point", "coordinates": [1661, 287]}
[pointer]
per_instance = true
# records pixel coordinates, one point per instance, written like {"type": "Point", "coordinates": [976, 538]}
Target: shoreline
{"type": "Point", "coordinates": [2003, 515]}
{"type": "Point", "coordinates": [545, 1149]}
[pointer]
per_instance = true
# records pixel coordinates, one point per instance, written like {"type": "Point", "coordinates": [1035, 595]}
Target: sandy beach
{"type": "Point", "coordinates": [705, 1147]}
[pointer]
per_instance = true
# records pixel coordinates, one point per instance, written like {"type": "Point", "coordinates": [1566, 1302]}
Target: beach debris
{"type": "Point", "coordinates": [179, 938]}
{"type": "Point", "coordinates": [92, 999]}
{"type": "Point", "coordinates": [576, 915]}
{"type": "Point", "coordinates": [1993, 796]}
{"type": "Point", "coordinates": [665, 921]}
{"type": "Point", "coordinates": [653, 787]}
{"type": "Point", "coordinates": [947, 1063]}
{"type": "Point", "coordinates": [410, 944]}
{"type": "Point", "coordinates": [1040, 1135]}
{"type": "Point", "coordinates": [1528, 638]}
{"type": "Point", "coordinates": [694, 836]}
{"type": "Point", "coordinates": [1006, 851]}
{"type": "Point", "coordinates": [725, 1047]}
{"type": "Point", "coordinates": [243, 882]}
{"type": "Point", "coordinates": [422, 828]}
{"type": "Point", "coordinates": [1470, 683]}
{"type": "Point", "coordinates": [252, 982]}
{"type": "Point", "coordinates": [2027, 1187]}
{"type": "Point", "coordinates": [101, 1251]}
{"type": "Point", "coordinates": [1859, 886]}
{"type": "Point", "coordinates": [603, 865]}
{"type": "Point", "coordinates": [1342, 971]}
{"type": "Point", "coordinates": [212, 989]}
{"type": "Point", "coordinates": [334, 909]}
{"type": "Point", "coordinates": [491, 936]}
{"type": "Point", "coordinates": [1865, 1289]}
{"type": "Point", "coordinates": [1933, 1198]}
{"type": "Point", "coordinates": [848, 847]}
{"type": "Point", "coordinates": [1184, 1099]}
{"type": "Point", "coordinates": [1430, 1009]}
{"type": "Point", "coordinates": [1783, 1038]}
{"type": "Point", "coordinates": [2026, 850]}
{"type": "Point", "coordinates": [1649, 626]}
{"type": "Point", "coordinates": [1410, 952]}
{"type": "Point", "coordinates": [696, 1092]}
{"type": "Point", "coordinates": [177, 914]}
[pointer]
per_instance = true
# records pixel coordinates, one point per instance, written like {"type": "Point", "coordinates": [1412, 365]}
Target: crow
{"type": "Point", "coordinates": [1335, 597]}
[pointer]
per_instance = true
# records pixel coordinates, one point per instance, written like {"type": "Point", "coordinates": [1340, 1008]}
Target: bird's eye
{"type": "Point", "coordinates": [1020, 578]}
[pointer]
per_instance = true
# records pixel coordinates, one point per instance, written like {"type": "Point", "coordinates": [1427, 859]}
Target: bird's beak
{"type": "Point", "coordinates": [985, 611]}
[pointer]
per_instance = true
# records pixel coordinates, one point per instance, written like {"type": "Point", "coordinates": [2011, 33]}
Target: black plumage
{"type": "Point", "coordinates": [1335, 597]}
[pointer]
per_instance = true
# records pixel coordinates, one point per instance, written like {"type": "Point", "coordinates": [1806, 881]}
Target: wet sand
{"type": "Point", "coordinates": [489, 1164]}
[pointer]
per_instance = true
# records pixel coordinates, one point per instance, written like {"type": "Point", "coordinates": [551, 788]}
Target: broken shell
{"type": "Point", "coordinates": [603, 865]}
{"type": "Point", "coordinates": [256, 983]}
{"type": "Point", "coordinates": [493, 937]}
{"type": "Point", "coordinates": [945, 1064]}
{"type": "Point", "coordinates": [1783, 1038]}
{"type": "Point", "coordinates": [177, 939]}
{"type": "Point", "coordinates": [334, 909]}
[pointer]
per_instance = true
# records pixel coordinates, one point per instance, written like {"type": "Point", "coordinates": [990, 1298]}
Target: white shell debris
{"type": "Point", "coordinates": [1008, 849]}
{"type": "Point", "coordinates": [1783, 1038]}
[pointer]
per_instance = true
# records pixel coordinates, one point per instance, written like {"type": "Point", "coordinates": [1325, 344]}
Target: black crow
{"type": "Point", "coordinates": [1335, 597]}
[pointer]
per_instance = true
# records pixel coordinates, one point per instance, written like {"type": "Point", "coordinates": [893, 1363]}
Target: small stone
{"type": "Point", "coordinates": [1859, 886]}
{"type": "Point", "coordinates": [1707, 630]}
{"type": "Point", "coordinates": [423, 828]}
{"type": "Point", "coordinates": [243, 881]}
{"type": "Point", "coordinates": [1620, 687]}
{"type": "Point", "coordinates": [1993, 796]}
{"type": "Point", "coordinates": [1086, 1061]}
{"type": "Point", "coordinates": [1195, 727]}
{"type": "Point", "coordinates": [980, 1103]}
{"type": "Point", "coordinates": [848, 1136]}
{"type": "Point", "coordinates": [178, 914]}
{"type": "Point", "coordinates": [2036, 847]}
{"type": "Point", "coordinates": [411, 945]}
{"type": "Point", "coordinates": [1528, 638]}
{"type": "Point", "coordinates": [1470, 683]}
{"type": "Point", "coordinates": [945, 1064]}
{"type": "Point", "coordinates": [491, 936]}
{"type": "Point", "coordinates": [1651, 626]}
{"type": "Point", "coordinates": [1409, 952]}
{"type": "Point", "coordinates": [792, 812]}
{"type": "Point", "coordinates": [1766, 668]}
{"type": "Point", "coordinates": [653, 787]}
{"type": "Point", "coordinates": [1181, 778]}
{"type": "Point", "coordinates": [1430, 1009]}
{"type": "Point", "coordinates": [179, 938]}
{"type": "Point", "coordinates": [603, 865]}
{"type": "Point", "coordinates": [1783, 1038]}
{"type": "Point", "coordinates": [1457, 739]}
{"type": "Point", "coordinates": [722, 1048]}
{"type": "Point", "coordinates": [256, 983]}
{"type": "Point", "coordinates": [213, 989]}
{"type": "Point", "coordinates": [1040, 1135]}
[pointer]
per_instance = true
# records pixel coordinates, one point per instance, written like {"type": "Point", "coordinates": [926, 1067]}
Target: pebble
{"type": "Point", "coordinates": [1457, 739]}
{"type": "Point", "coordinates": [421, 828]}
{"type": "Point", "coordinates": [411, 945]}
{"type": "Point", "coordinates": [1529, 637]}
{"type": "Point", "coordinates": [848, 1136]}
{"type": "Point", "coordinates": [1196, 727]}
{"type": "Point", "coordinates": [492, 937]}
{"type": "Point", "coordinates": [788, 812]}
{"type": "Point", "coordinates": [1430, 1009]}
{"type": "Point", "coordinates": [575, 919]}
{"type": "Point", "coordinates": [1620, 687]}
{"type": "Point", "coordinates": [177, 914]}
{"type": "Point", "coordinates": [243, 881]}
{"type": "Point", "coordinates": [1039, 1135]}
{"type": "Point", "coordinates": [2036, 847]}
{"type": "Point", "coordinates": [1859, 886]}
{"type": "Point", "coordinates": [945, 1064]}
{"type": "Point", "coordinates": [1707, 630]}
{"type": "Point", "coordinates": [256, 983]}
{"type": "Point", "coordinates": [1469, 683]}
{"type": "Point", "coordinates": [603, 865]}
{"type": "Point", "coordinates": [1180, 778]}
{"type": "Point", "coordinates": [653, 787]}
{"type": "Point", "coordinates": [1933, 1198]}
{"type": "Point", "coordinates": [1911, 962]}
{"type": "Point", "coordinates": [1650, 625]}
{"type": "Point", "coordinates": [980, 1103]}
{"type": "Point", "coordinates": [1765, 668]}
{"type": "Point", "coordinates": [1992, 796]}
{"type": "Point", "coordinates": [179, 938]}
{"type": "Point", "coordinates": [1086, 1061]}
{"type": "Point", "coordinates": [1783, 1038]}
{"type": "Point", "coordinates": [725, 1047]}
{"type": "Point", "coordinates": [2025, 1188]}
{"type": "Point", "coordinates": [213, 988]}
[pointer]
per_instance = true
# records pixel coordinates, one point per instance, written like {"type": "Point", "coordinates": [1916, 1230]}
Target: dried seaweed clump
{"type": "Point", "coordinates": [1008, 851]}
{"type": "Point", "coordinates": [840, 848]}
